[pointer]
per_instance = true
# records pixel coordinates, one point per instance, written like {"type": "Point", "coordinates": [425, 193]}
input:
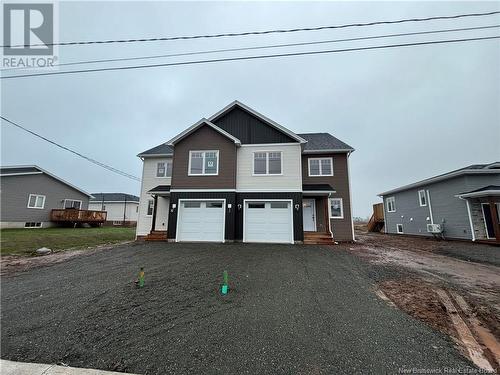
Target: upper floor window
{"type": "Point", "coordinates": [391, 204]}
{"type": "Point", "coordinates": [203, 163]}
{"type": "Point", "coordinates": [320, 167]}
{"type": "Point", "coordinates": [164, 169]}
{"type": "Point", "coordinates": [422, 199]}
{"type": "Point", "coordinates": [72, 203]}
{"type": "Point", "coordinates": [336, 208]}
{"type": "Point", "coordinates": [267, 163]}
{"type": "Point", "coordinates": [36, 201]}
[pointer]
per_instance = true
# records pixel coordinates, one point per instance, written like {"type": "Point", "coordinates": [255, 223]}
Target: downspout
{"type": "Point", "coordinates": [329, 215]}
{"type": "Point", "coordinates": [350, 196]}
{"type": "Point", "coordinates": [470, 219]}
{"type": "Point", "coordinates": [430, 206]}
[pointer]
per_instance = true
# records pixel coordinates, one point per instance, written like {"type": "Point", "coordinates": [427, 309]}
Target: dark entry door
{"type": "Point", "coordinates": [488, 220]}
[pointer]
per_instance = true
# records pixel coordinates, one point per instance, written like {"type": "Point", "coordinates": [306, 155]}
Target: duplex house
{"type": "Point", "coordinates": [461, 204]}
{"type": "Point", "coordinates": [120, 208]}
{"type": "Point", "coordinates": [240, 176]}
{"type": "Point", "coordinates": [29, 194]}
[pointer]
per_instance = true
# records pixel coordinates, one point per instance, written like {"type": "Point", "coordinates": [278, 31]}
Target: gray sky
{"type": "Point", "coordinates": [410, 113]}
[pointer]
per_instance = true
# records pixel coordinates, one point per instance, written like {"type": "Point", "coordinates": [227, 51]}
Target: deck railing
{"type": "Point", "coordinates": [77, 216]}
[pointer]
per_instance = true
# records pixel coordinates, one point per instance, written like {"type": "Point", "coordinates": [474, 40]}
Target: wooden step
{"type": "Point", "coordinates": [156, 235]}
{"type": "Point", "coordinates": [318, 238]}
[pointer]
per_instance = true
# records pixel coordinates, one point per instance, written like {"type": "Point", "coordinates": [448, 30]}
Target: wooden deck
{"type": "Point", "coordinates": [376, 223]}
{"type": "Point", "coordinates": [70, 215]}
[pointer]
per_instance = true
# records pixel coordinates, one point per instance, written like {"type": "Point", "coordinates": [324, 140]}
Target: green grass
{"type": "Point", "coordinates": [26, 241]}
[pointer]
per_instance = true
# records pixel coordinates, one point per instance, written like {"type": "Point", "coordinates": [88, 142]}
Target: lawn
{"type": "Point", "coordinates": [25, 241]}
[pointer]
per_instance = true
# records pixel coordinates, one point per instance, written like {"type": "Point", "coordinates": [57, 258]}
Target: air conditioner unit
{"type": "Point", "coordinates": [434, 228]}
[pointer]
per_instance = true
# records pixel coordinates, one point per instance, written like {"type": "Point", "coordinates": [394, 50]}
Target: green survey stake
{"type": "Point", "coordinates": [141, 277]}
{"type": "Point", "coordinates": [225, 286]}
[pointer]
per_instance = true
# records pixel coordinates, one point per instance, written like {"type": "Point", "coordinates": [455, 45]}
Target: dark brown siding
{"type": "Point", "coordinates": [298, 233]}
{"type": "Point", "coordinates": [230, 215]}
{"type": "Point", "coordinates": [342, 228]}
{"type": "Point", "coordinates": [205, 138]}
{"type": "Point", "coordinates": [249, 129]}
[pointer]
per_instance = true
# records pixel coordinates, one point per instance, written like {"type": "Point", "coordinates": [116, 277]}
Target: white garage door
{"type": "Point", "coordinates": [201, 221]}
{"type": "Point", "coordinates": [268, 222]}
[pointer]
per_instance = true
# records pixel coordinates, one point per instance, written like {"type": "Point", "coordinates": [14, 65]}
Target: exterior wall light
{"type": "Point", "coordinates": [297, 206]}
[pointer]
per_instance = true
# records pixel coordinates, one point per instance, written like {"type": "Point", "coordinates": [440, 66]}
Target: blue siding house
{"type": "Point", "coordinates": [461, 204]}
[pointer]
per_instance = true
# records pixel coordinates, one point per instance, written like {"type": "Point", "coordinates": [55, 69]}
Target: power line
{"type": "Point", "coordinates": [250, 57]}
{"type": "Point", "coordinates": [265, 47]}
{"type": "Point", "coordinates": [108, 167]}
{"type": "Point", "coordinates": [258, 32]}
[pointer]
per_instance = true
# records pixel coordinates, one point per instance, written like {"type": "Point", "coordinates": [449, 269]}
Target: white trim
{"type": "Point", "coordinates": [260, 116]}
{"type": "Point", "coordinates": [484, 219]}
{"type": "Point", "coordinates": [479, 194]}
{"type": "Point", "coordinates": [269, 190]}
{"type": "Point", "coordinates": [341, 207]}
{"type": "Point", "coordinates": [350, 197]}
{"type": "Point", "coordinates": [420, 198]}
{"type": "Point", "coordinates": [200, 190]}
{"type": "Point", "coordinates": [203, 163]}
{"type": "Point", "coordinates": [441, 178]}
{"type": "Point", "coordinates": [315, 192]}
{"type": "Point", "coordinates": [19, 174]}
{"type": "Point", "coordinates": [393, 198]}
{"type": "Point", "coordinates": [201, 200]}
{"type": "Point", "coordinates": [94, 202]}
{"type": "Point", "coordinates": [320, 167]}
{"type": "Point", "coordinates": [47, 173]}
{"type": "Point", "coordinates": [268, 200]}
{"type": "Point", "coordinates": [74, 200]}
{"type": "Point", "coordinates": [154, 155]}
{"type": "Point", "coordinates": [36, 196]}
{"type": "Point", "coordinates": [314, 213]}
{"type": "Point", "coordinates": [267, 164]}
{"type": "Point", "coordinates": [430, 206]}
{"type": "Point", "coordinates": [470, 220]}
{"type": "Point", "coordinates": [402, 228]}
{"type": "Point", "coordinates": [290, 144]}
{"type": "Point", "coordinates": [198, 124]}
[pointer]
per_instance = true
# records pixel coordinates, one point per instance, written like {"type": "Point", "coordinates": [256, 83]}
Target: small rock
{"type": "Point", "coordinates": [43, 251]}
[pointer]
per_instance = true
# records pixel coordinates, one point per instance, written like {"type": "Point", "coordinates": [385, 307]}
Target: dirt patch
{"type": "Point", "coordinates": [12, 264]}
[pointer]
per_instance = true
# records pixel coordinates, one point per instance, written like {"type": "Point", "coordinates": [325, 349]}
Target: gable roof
{"type": "Point", "coordinates": [197, 125]}
{"type": "Point", "coordinates": [491, 168]}
{"type": "Point", "coordinates": [260, 116]}
{"type": "Point", "coordinates": [324, 142]}
{"type": "Point", "coordinates": [114, 197]}
{"type": "Point", "coordinates": [23, 170]}
{"type": "Point", "coordinates": [160, 150]}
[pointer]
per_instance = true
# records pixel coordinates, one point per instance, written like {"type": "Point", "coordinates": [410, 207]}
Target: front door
{"type": "Point", "coordinates": [309, 215]}
{"type": "Point", "coordinates": [488, 221]}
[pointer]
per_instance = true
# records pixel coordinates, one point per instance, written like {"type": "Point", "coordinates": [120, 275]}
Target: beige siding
{"type": "Point", "coordinates": [149, 181]}
{"type": "Point", "coordinates": [290, 180]}
{"type": "Point", "coordinates": [115, 210]}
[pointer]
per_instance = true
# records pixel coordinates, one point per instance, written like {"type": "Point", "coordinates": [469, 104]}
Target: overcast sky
{"type": "Point", "coordinates": [410, 113]}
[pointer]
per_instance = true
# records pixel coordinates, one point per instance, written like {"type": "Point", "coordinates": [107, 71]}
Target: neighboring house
{"type": "Point", "coordinates": [29, 193]}
{"type": "Point", "coordinates": [121, 208]}
{"type": "Point", "coordinates": [239, 176]}
{"type": "Point", "coordinates": [462, 204]}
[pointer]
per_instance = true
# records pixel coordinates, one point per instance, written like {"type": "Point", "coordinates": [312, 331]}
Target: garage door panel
{"type": "Point", "coordinates": [268, 222]}
{"type": "Point", "coordinates": [201, 221]}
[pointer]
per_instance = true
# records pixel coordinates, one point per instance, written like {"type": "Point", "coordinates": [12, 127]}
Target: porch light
{"type": "Point", "coordinates": [297, 206]}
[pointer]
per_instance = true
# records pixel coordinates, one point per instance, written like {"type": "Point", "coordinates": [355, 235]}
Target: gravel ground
{"type": "Point", "coordinates": [291, 310]}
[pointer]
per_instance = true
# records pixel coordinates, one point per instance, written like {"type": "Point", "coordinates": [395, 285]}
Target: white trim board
{"type": "Point", "coordinates": [197, 125]}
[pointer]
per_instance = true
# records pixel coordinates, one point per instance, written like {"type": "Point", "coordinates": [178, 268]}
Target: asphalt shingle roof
{"type": "Point", "coordinates": [16, 170]}
{"type": "Point", "coordinates": [323, 141]}
{"type": "Point", "coordinates": [114, 197]}
{"type": "Point", "coordinates": [486, 188]}
{"type": "Point", "coordinates": [160, 189]}
{"type": "Point", "coordinates": [162, 149]}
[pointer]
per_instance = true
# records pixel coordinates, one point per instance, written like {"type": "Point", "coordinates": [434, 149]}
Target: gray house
{"type": "Point", "coordinates": [30, 193]}
{"type": "Point", "coordinates": [462, 204]}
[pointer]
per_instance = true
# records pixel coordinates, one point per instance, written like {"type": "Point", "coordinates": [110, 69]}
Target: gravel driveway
{"type": "Point", "coordinates": [291, 310]}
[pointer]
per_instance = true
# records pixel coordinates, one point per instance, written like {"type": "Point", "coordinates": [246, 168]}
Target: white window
{"type": "Point", "coordinates": [267, 163]}
{"type": "Point", "coordinates": [117, 222]}
{"type": "Point", "coordinates": [72, 203]}
{"type": "Point", "coordinates": [399, 228]}
{"type": "Point", "coordinates": [203, 163]}
{"type": "Point", "coordinates": [320, 167]}
{"type": "Point", "coordinates": [422, 199]}
{"type": "Point", "coordinates": [336, 208]}
{"type": "Point", "coordinates": [33, 225]}
{"type": "Point", "coordinates": [151, 204]}
{"type": "Point", "coordinates": [36, 201]}
{"type": "Point", "coordinates": [391, 204]}
{"type": "Point", "coordinates": [164, 169]}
